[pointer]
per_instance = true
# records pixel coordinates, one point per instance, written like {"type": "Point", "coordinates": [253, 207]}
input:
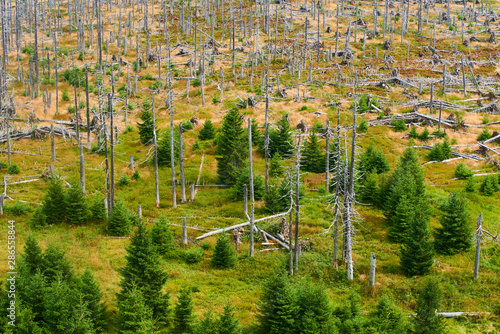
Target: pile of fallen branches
{"type": "Point", "coordinates": [37, 133]}
{"type": "Point", "coordinates": [412, 118]}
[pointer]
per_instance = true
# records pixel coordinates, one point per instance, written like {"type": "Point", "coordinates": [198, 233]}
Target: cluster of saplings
{"type": "Point", "coordinates": [297, 307]}
{"type": "Point", "coordinates": [51, 298]}
{"type": "Point", "coordinates": [488, 187]}
{"type": "Point", "coordinates": [407, 211]}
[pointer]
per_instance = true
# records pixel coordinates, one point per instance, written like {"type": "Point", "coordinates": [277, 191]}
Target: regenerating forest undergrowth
{"type": "Point", "coordinates": [251, 166]}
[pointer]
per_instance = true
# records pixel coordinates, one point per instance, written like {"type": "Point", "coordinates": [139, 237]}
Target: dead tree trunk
{"type": "Point", "coordinates": [181, 164]}
{"type": "Point", "coordinates": [250, 161]}
{"type": "Point", "coordinates": [155, 143]}
{"type": "Point", "coordinates": [112, 157]}
{"type": "Point", "coordinates": [478, 245]}
{"type": "Point", "coordinates": [184, 231]}
{"type": "Point", "coordinates": [373, 264]}
{"type": "Point", "coordinates": [297, 187]}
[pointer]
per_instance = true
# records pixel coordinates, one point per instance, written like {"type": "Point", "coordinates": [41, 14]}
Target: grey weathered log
{"type": "Point", "coordinates": [229, 228]}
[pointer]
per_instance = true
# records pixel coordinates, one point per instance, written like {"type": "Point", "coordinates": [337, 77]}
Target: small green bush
{"type": "Point", "coordinates": [425, 135]}
{"type": "Point", "coordinates": [128, 128]}
{"type": "Point", "coordinates": [192, 255]}
{"type": "Point", "coordinates": [28, 49]}
{"type": "Point", "coordinates": [13, 169]}
{"type": "Point", "coordinates": [136, 176]}
{"type": "Point", "coordinates": [399, 124]}
{"type": "Point", "coordinates": [17, 209]}
{"type": "Point", "coordinates": [363, 126]}
{"type": "Point", "coordinates": [484, 135]}
{"type": "Point", "coordinates": [71, 109]}
{"type": "Point", "coordinates": [65, 95]}
{"type": "Point", "coordinates": [123, 180]}
{"type": "Point", "coordinates": [462, 172]}
{"type": "Point", "coordinates": [187, 125]}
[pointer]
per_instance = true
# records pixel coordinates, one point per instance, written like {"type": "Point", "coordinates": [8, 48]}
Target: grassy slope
{"type": "Point", "coordinates": [87, 247]}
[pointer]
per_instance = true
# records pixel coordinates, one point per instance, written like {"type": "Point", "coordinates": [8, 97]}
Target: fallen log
{"type": "Point", "coordinates": [229, 228]}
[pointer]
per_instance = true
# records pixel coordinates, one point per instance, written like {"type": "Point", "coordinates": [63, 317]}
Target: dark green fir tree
{"type": "Point", "coordinates": [146, 129]}
{"type": "Point", "coordinates": [313, 159]}
{"type": "Point", "coordinates": [455, 234]}
{"type": "Point", "coordinates": [427, 321]}
{"type": "Point", "coordinates": [119, 222]}
{"type": "Point", "coordinates": [164, 158]}
{"type": "Point", "coordinates": [183, 313]}
{"type": "Point", "coordinates": [417, 253]}
{"type": "Point", "coordinates": [143, 271]}
{"type": "Point", "coordinates": [278, 310]}
{"type": "Point", "coordinates": [77, 211]}
{"type": "Point", "coordinates": [134, 315]}
{"type": "Point", "coordinates": [208, 131]}
{"type": "Point", "coordinates": [224, 254]}
{"type": "Point", "coordinates": [161, 237]}
{"type": "Point", "coordinates": [227, 324]}
{"type": "Point", "coordinates": [280, 139]}
{"type": "Point", "coordinates": [53, 204]}
{"type": "Point", "coordinates": [232, 147]}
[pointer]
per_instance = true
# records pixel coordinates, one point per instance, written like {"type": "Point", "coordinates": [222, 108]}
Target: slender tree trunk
{"type": "Point", "coordinates": [250, 160]}
{"type": "Point", "coordinates": [155, 143]}
{"type": "Point", "coordinates": [373, 264]}
{"type": "Point", "coordinates": [479, 233]}
{"type": "Point", "coordinates": [181, 164]}
{"type": "Point", "coordinates": [111, 156]}
{"type": "Point", "coordinates": [297, 188]}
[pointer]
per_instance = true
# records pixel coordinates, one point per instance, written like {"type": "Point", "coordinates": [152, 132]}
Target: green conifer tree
{"type": "Point", "coordinates": [313, 159]}
{"type": "Point", "coordinates": [427, 321]}
{"type": "Point", "coordinates": [227, 324]}
{"type": "Point", "coordinates": [370, 191]}
{"type": "Point", "coordinates": [207, 325]}
{"type": "Point", "coordinates": [408, 180]}
{"type": "Point", "coordinates": [56, 265]}
{"type": "Point", "coordinates": [277, 310]}
{"type": "Point", "coordinates": [53, 204]}
{"type": "Point", "coordinates": [454, 235]}
{"type": "Point", "coordinates": [58, 307]}
{"type": "Point", "coordinates": [164, 159]}
{"type": "Point", "coordinates": [161, 237]}
{"type": "Point", "coordinates": [489, 185]}
{"type": "Point", "coordinates": [98, 210]}
{"type": "Point", "coordinates": [470, 185]}
{"type": "Point", "coordinates": [401, 221]}
{"type": "Point", "coordinates": [143, 270]}
{"type": "Point", "coordinates": [314, 309]}
{"type": "Point", "coordinates": [232, 148]}
{"type": "Point", "coordinates": [77, 211]}
{"type": "Point", "coordinates": [280, 139]}
{"type": "Point", "coordinates": [119, 222]}
{"type": "Point", "coordinates": [145, 127]}
{"type": "Point", "coordinates": [350, 315]}
{"type": "Point", "coordinates": [275, 166]}
{"type": "Point", "coordinates": [33, 256]}
{"type": "Point", "coordinates": [244, 178]}
{"type": "Point", "coordinates": [257, 137]}
{"type": "Point", "coordinates": [224, 254]}
{"type": "Point", "coordinates": [388, 318]}
{"type": "Point", "coordinates": [91, 295]}
{"type": "Point", "coordinates": [208, 131]}
{"type": "Point", "coordinates": [417, 251]}
{"type": "Point", "coordinates": [372, 159]}
{"type": "Point", "coordinates": [134, 315]}
{"type": "Point", "coordinates": [183, 313]}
